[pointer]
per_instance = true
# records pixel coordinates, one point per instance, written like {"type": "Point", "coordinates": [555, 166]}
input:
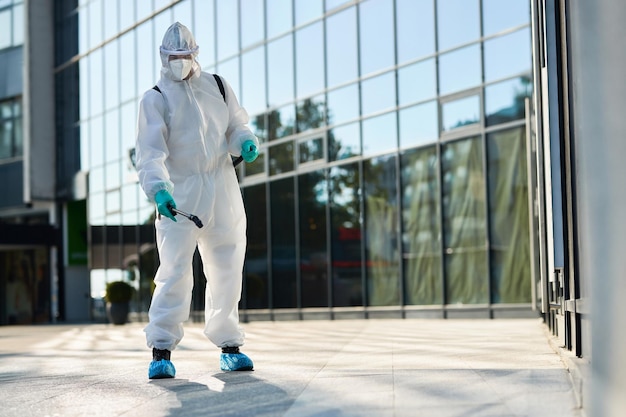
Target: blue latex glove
{"type": "Point", "coordinates": [164, 201]}
{"type": "Point", "coordinates": [249, 152]}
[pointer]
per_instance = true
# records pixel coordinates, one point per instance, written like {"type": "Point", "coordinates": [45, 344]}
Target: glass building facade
{"type": "Point", "coordinates": [393, 170]}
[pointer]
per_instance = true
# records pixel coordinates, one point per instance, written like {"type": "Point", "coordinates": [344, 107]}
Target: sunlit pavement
{"type": "Point", "coordinates": [303, 368]}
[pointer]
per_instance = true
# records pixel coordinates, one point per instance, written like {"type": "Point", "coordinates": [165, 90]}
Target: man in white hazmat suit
{"type": "Point", "coordinates": [187, 132]}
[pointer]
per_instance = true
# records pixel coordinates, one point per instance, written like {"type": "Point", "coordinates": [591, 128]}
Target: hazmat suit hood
{"type": "Point", "coordinates": [178, 40]}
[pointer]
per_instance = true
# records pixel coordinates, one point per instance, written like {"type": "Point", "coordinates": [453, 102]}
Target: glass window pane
{"type": "Point", "coordinates": [310, 59]}
{"type": "Point", "coordinates": [253, 81]}
{"type": "Point", "coordinates": [96, 180]}
{"type": "Point", "coordinates": [504, 102]}
{"type": "Point", "coordinates": [464, 228]}
{"type": "Point", "coordinates": [460, 69]}
{"type": "Point", "coordinates": [85, 146]}
{"type": "Point", "coordinates": [499, 15]}
{"type": "Point", "coordinates": [283, 241]}
{"type": "Point", "coordinates": [95, 82]}
{"type": "Point", "coordinates": [128, 59]}
{"type": "Point", "coordinates": [507, 55]}
{"type": "Point", "coordinates": [6, 139]}
{"type": "Point", "coordinates": [229, 70]}
{"type": "Point", "coordinates": [382, 243]}
{"type": "Point", "coordinates": [417, 82]}
{"type": "Point", "coordinates": [418, 125]}
{"type": "Point", "coordinates": [112, 79]}
{"type": "Point", "coordinates": [128, 125]}
{"type": "Point", "coordinates": [282, 122]}
{"type": "Point", "coordinates": [341, 47]}
{"type": "Point", "coordinates": [415, 19]}
{"type": "Point", "coordinates": [97, 141]}
{"type": "Point", "coordinates": [227, 32]}
{"type": "Point", "coordinates": [96, 32]}
{"type": "Point", "coordinates": [111, 27]}
{"type": "Point", "coordinates": [344, 142]}
{"type": "Point", "coordinates": [259, 126]}
{"type": "Point", "coordinates": [113, 201]}
{"type": "Point", "coordinates": [112, 145]}
{"type": "Point", "coordinates": [308, 10]}
{"type": "Point", "coordinates": [18, 137]}
{"type": "Point", "coordinates": [312, 202]}
{"type": "Point", "coordinates": [331, 4]}
{"type": "Point", "coordinates": [256, 294]}
{"type": "Point", "coordinates": [458, 22]}
{"type": "Point", "coordinates": [112, 175]}
{"type": "Point", "coordinates": [380, 134]}
{"type": "Point", "coordinates": [148, 59]}
{"type": "Point", "coordinates": [279, 17]}
{"type": "Point", "coordinates": [96, 208]}
{"type": "Point", "coordinates": [204, 31]}
{"type": "Point", "coordinates": [5, 29]}
{"type": "Point", "coordinates": [509, 235]}
{"type": "Point", "coordinates": [376, 35]}
{"type": "Point", "coordinates": [378, 93]}
{"type": "Point", "coordinates": [459, 113]}
{"type": "Point", "coordinates": [280, 70]}
{"type": "Point", "coordinates": [311, 114]}
{"type": "Point", "coordinates": [310, 150]}
{"type": "Point", "coordinates": [83, 29]}
{"type": "Point", "coordinates": [18, 25]}
{"type": "Point", "coordinates": [343, 104]}
{"type": "Point", "coordinates": [421, 234]}
{"type": "Point", "coordinates": [252, 18]}
{"type": "Point", "coordinates": [346, 241]}
{"type": "Point", "coordinates": [127, 14]}
{"type": "Point", "coordinates": [281, 158]}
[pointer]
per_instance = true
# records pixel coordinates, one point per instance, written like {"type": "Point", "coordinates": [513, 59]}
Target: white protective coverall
{"type": "Point", "coordinates": [186, 136]}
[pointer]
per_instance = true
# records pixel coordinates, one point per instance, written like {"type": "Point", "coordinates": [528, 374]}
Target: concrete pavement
{"type": "Point", "coordinates": [397, 368]}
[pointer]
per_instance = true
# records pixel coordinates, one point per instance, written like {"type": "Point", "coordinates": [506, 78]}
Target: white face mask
{"type": "Point", "coordinates": [180, 68]}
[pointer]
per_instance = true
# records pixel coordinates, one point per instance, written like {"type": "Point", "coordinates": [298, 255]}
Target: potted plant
{"type": "Point", "coordinates": [118, 295]}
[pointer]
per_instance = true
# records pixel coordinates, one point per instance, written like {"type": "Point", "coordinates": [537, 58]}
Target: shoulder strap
{"type": "Point", "coordinates": [156, 87]}
{"type": "Point", "coordinates": [220, 85]}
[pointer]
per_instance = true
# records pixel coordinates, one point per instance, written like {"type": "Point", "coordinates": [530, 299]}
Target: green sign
{"type": "Point", "coordinates": [77, 232]}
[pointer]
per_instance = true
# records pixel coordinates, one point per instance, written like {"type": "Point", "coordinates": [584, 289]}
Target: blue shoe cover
{"type": "Point", "coordinates": [161, 369]}
{"type": "Point", "coordinates": [235, 362]}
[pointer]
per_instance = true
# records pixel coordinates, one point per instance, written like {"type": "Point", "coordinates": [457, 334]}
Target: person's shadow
{"type": "Point", "coordinates": [227, 394]}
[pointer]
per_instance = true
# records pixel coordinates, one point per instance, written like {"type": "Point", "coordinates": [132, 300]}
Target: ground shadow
{"type": "Point", "coordinates": [229, 394]}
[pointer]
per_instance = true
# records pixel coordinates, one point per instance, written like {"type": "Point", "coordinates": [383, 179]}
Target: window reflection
{"type": "Point", "coordinates": [464, 225]}
{"type": "Point", "coordinates": [500, 15]}
{"type": "Point", "coordinates": [507, 55]}
{"type": "Point", "coordinates": [421, 235]}
{"type": "Point", "coordinates": [256, 272]}
{"type": "Point", "coordinates": [381, 225]}
{"type": "Point", "coordinates": [252, 19]}
{"type": "Point", "coordinates": [458, 22]}
{"type": "Point", "coordinates": [279, 17]}
{"type": "Point", "coordinates": [415, 19]}
{"type": "Point", "coordinates": [509, 235]}
{"type": "Point", "coordinates": [127, 76]}
{"type": "Point", "coordinates": [460, 113]}
{"type": "Point", "coordinates": [418, 124]}
{"type": "Point", "coordinates": [343, 104]}
{"type": "Point", "coordinates": [258, 167]}
{"type": "Point", "coordinates": [310, 114]}
{"type": "Point", "coordinates": [310, 59]}
{"type": "Point", "coordinates": [460, 69]}
{"type": "Point", "coordinates": [283, 238]}
{"type": "Point", "coordinates": [252, 96]}
{"type": "Point", "coordinates": [310, 150]}
{"type": "Point", "coordinates": [308, 10]}
{"type": "Point", "coordinates": [280, 70]}
{"type": "Point", "coordinates": [312, 200]}
{"type": "Point", "coordinates": [380, 134]}
{"type": "Point", "coordinates": [282, 122]}
{"type": "Point", "coordinates": [376, 35]}
{"type": "Point", "coordinates": [346, 241]}
{"type": "Point", "coordinates": [341, 47]}
{"type": "Point", "coordinates": [344, 142]}
{"type": "Point", "coordinates": [378, 93]}
{"type": "Point", "coordinates": [281, 158]}
{"type": "Point", "coordinates": [227, 28]}
{"type": "Point", "coordinates": [204, 30]}
{"type": "Point", "coordinates": [417, 82]}
{"type": "Point", "coordinates": [504, 102]}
